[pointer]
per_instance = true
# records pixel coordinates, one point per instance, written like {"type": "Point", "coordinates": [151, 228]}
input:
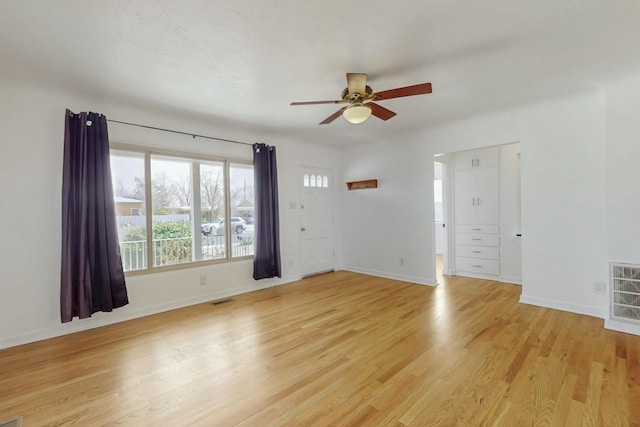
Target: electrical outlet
{"type": "Point", "coordinates": [203, 280]}
{"type": "Point", "coordinates": [600, 288]}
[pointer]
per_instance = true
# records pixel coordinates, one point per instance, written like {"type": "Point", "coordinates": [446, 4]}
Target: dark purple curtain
{"type": "Point", "coordinates": [92, 278]}
{"type": "Point", "coordinates": [266, 260]}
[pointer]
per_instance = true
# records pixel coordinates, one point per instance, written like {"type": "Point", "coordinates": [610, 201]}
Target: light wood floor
{"type": "Point", "coordinates": [336, 349]}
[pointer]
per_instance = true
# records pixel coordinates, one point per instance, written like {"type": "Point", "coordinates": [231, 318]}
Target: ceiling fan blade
{"type": "Point", "coordinates": [357, 83]}
{"type": "Point", "coordinates": [380, 112]}
{"type": "Point", "coordinates": [420, 89]}
{"type": "Point", "coordinates": [316, 102]}
{"type": "Point", "coordinates": [333, 116]}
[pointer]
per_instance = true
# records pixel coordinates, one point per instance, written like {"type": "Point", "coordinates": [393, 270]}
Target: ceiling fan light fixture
{"type": "Point", "coordinates": [363, 101]}
{"type": "Point", "coordinates": [357, 113]}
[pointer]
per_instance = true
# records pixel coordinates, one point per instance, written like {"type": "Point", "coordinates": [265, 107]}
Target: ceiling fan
{"type": "Point", "coordinates": [361, 97]}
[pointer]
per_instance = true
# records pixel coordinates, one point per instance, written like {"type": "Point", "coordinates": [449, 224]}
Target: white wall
{"type": "Point", "coordinates": [510, 221]}
{"type": "Point", "coordinates": [385, 229]}
{"type": "Point", "coordinates": [623, 178]}
{"type": "Point", "coordinates": [563, 205]}
{"type": "Point", "coordinates": [31, 152]}
{"type": "Point", "coordinates": [563, 193]}
{"type": "Point", "coordinates": [623, 171]}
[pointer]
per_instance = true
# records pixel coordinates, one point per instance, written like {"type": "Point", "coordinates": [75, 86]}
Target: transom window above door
{"type": "Point", "coordinates": [315, 180]}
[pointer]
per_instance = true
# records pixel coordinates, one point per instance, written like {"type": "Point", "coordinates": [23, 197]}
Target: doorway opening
{"type": "Point", "coordinates": [439, 218]}
{"type": "Point", "coordinates": [478, 194]}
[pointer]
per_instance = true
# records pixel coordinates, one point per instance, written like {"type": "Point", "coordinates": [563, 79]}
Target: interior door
{"type": "Point", "coordinates": [316, 221]}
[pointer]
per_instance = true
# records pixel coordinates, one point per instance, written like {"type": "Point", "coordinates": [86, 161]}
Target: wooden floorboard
{"type": "Point", "coordinates": [339, 349]}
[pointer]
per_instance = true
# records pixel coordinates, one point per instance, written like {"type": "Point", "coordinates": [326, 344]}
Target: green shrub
{"type": "Point", "coordinates": [171, 230]}
{"type": "Point", "coordinates": [135, 235]}
{"type": "Point", "coordinates": [171, 242]}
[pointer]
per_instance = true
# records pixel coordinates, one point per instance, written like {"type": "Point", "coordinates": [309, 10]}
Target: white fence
{"type": "Point", "coordinates": [179, 250]}
{"type": "Point", "coordinates": [140, 220]}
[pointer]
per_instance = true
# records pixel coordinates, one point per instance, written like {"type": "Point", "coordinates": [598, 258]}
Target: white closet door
{"type": "Point", "coordinates": [465, 195]}
{"type": "Point", "coordinates": [487, 189]}
{"type": "Point", "coordinates": [465, 160]}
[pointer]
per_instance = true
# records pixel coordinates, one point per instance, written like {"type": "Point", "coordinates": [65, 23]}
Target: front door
{"type": "Point", "coordinates": [316, 221]}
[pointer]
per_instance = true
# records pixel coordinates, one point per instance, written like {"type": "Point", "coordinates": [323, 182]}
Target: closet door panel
{"type": "Point", "coordinates": [465, 160]}
{"type": "Point", "coordinates": [487, 157]}
{"type": "Point", "coordinates": [487, 189]}
{"type": "Point", "coordinates": [465, 196]}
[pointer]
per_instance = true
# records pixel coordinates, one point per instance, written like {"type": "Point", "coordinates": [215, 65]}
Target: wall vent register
{"type": "Point", "coordinates": [625, 292]}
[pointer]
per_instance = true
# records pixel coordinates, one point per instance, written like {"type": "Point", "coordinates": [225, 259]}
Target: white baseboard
{"type": "Point", "coordinates": [122, 315]}
{"type": "Point", "coordinates": [564, 306]}
{"type": "Point", "coordinates": [476, 275]}
{"type": "Point", "coordinates": [627, 328]}
{"type": "Point", "coordinates": [502, 279]}
{"type": "Point", "coordinates": [401, 277]}
{"type": "Point", "coordinates": [511, 280]}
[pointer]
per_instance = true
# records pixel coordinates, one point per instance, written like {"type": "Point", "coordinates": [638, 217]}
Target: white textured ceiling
{"type": "Point", "coordinates": [245, 61]}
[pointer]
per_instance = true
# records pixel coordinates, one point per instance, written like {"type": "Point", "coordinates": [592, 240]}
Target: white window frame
{"type": "Point", "coordinates": [196, 223]}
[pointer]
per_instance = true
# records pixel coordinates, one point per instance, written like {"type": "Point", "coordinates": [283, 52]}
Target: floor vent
{"type": "Point", "coordinates": [222, 301]}
{"type": "Point", "coordinates": [625, 292]}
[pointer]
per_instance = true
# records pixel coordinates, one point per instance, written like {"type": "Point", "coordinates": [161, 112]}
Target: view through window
{"type": "Point", "coordinates": [189, 202]}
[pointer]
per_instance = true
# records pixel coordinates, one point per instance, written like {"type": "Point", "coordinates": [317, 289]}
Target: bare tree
{"type": "Point", "coordinates": [211, 193]}
{"type": "Point", "coordinates": [181, 189]}
{"type": "Point", "coordinates": [138, 191]}
{"type": "Point", "coordinates": [242, 193]}
{"type": "Point", "coordinates": [161, 196]}
{"type": "Point", "coordinates": [119, 188]}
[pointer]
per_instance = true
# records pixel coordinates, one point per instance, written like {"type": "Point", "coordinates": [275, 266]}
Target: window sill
{"type": "Point", "coordinates": [185, 266]}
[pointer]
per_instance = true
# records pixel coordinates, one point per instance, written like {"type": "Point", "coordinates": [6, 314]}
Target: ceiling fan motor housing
{"type": "Point", "coordinates": [356, 97]}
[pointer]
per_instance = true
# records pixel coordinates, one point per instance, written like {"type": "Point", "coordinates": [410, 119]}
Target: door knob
{"type": "Point", "coordinates": [303, 229]}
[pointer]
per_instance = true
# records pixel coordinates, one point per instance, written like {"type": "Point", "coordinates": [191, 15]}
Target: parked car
{"type": "Point", "coordinates": [217, 227]}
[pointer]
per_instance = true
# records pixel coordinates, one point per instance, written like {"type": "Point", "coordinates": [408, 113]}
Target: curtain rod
{"type": "Point", "coordinates": [179, 132]}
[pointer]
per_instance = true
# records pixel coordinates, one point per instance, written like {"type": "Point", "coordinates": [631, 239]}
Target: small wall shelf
{"type": "Point", "coordinates": [361, 185]}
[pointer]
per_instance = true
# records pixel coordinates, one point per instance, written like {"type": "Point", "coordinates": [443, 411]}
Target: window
{"type": "Point", "coordinates": [127, 174]}
{"type": "Point", "coordinates": [212, 211]}
{"type": "Point", "coordinates": [242, 208]}
{"type": "Point", "coordinates": [309, 179]}
{"type": "Point", "coordinates": [190, 199]}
